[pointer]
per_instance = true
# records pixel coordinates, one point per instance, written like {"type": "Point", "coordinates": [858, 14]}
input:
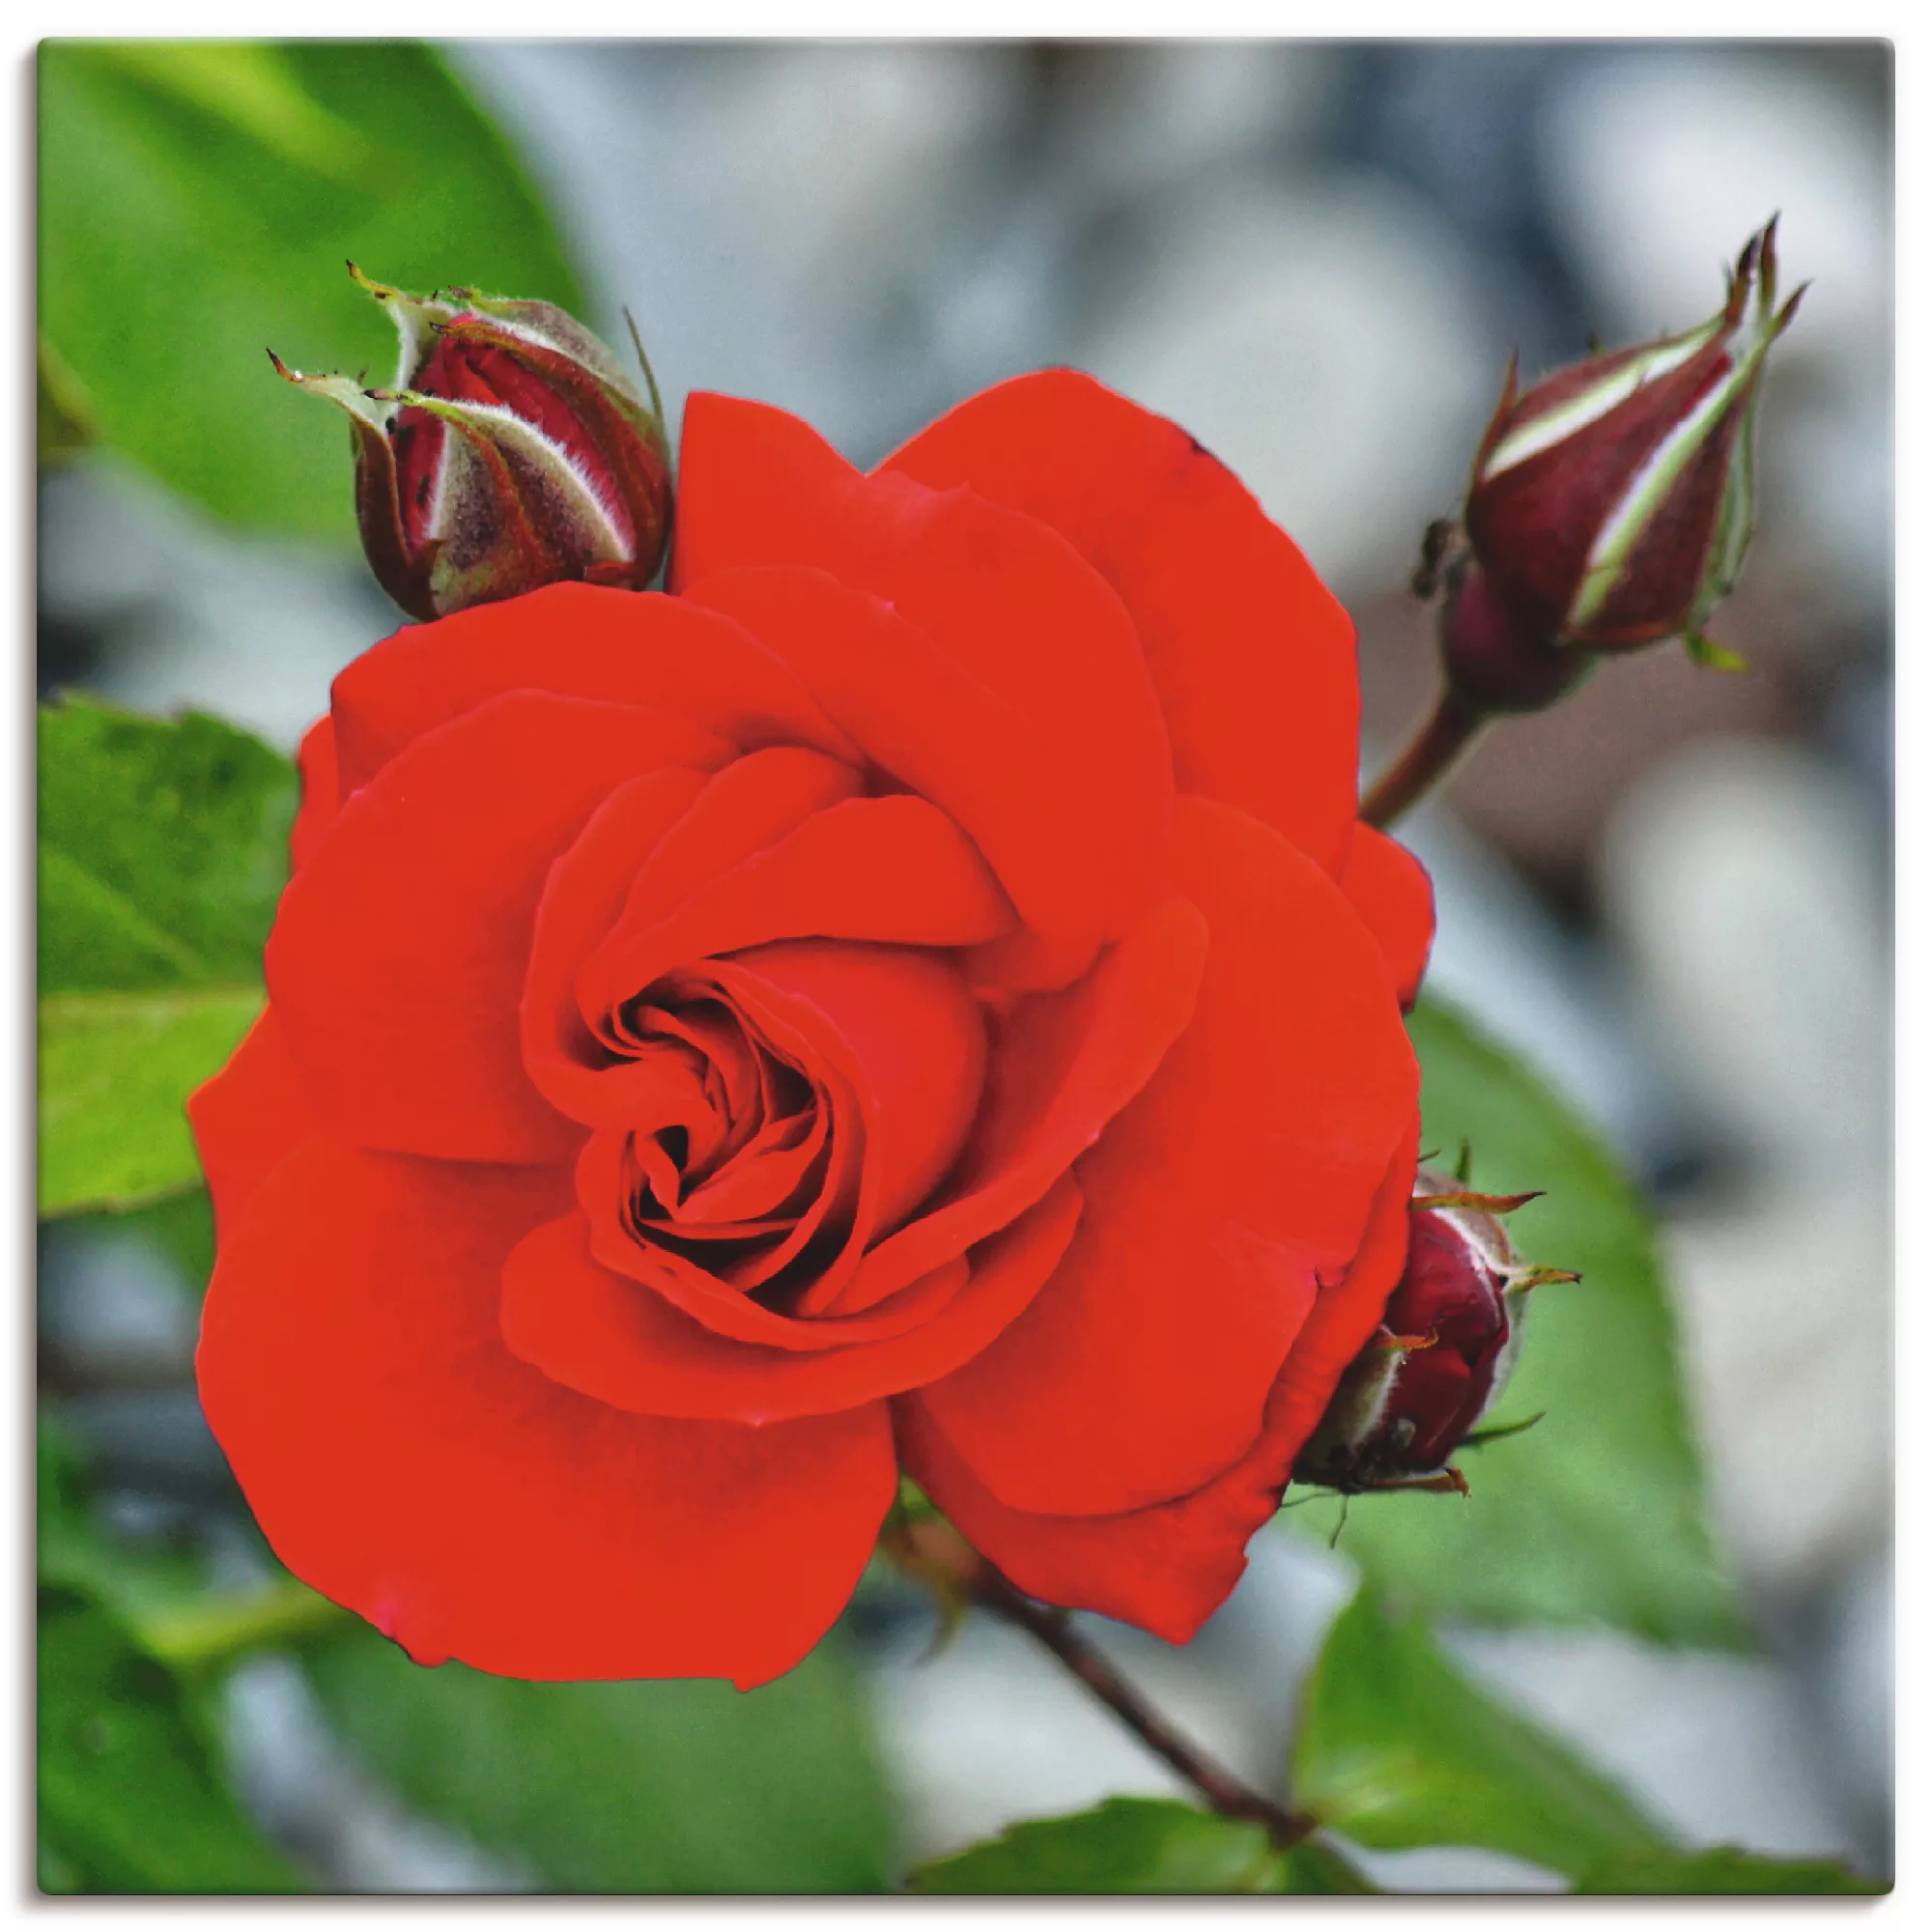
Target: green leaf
{"type": "Point", "coordinates": [684, 1786]}
{"type": "Point", "coordinates": [1724, 1871]}
{"type": "Point", "coordinates": [130, 1797]}
{"type": "Point", "coordinates": [1598, 1514]}
{"type": "Point", "coordinates": [114, 1071]}
{"type": "Point", "coordinates": [183, 1229]}
{"type": "Point", "coordinates": [197, 201]}
{"type": "Point", "coordinates": [62, 416]}
{"type": "Point", "coordinates": [163, 847]}
{"type": "Point", "coordinates": [1396, 1748]}
{"type": "Point", "coordinates": [163, 852]}
{"type": "Point", "coordinates": [1137, 1846]}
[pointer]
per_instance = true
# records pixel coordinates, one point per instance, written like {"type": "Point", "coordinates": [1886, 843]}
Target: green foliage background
{"type": "Point", "coordinates": [197, 202]}
{"type": "Point", "coordinates": [1596, 1515]}
{"type": "Point", "coordinates": [162, 849]}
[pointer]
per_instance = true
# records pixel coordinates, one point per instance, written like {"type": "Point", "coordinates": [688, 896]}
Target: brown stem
{"type": "Point", "coordinates": [1451, 729]}
{"type": "Point", "coordinates": [1225, 1792]}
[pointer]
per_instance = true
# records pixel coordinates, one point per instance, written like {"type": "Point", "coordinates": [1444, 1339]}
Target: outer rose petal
{"type": "Point", "coordinates": [398, 955]}
{"type": "Point", "coordinates": [1386, 885]}
{"type": "Point", "coordinates": [579, 640]}
{"type": "Point", "coordinates": [1009, 601]}
{"type": "Point", "coordinates": [314, 761]}
{"type": "Point", "coordinates": [612, 1338]}
{"type": "Point", "coordinates": [402, 1460]}
{"type": "Point", "coordinates": [1254, 660]}
{"type": "Point", "coordinates": [1217, 1202]}
{"type": "Point", "coordinates": [247, 1116]}
{"type": "Point", "coordinates": [1169, 1566]}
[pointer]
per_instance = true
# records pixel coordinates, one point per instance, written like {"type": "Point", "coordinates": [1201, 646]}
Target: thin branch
{"type": "Point", "coordinates": [1450, 730]}
{"type": "Point", "coordinates": [1224, 1791]}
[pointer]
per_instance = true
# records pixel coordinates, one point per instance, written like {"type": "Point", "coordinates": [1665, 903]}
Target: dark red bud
{"type": "Point", "coordinates": [467, 371]}
{"type": "Point", "coordinates": [1449, 1294]}
{"type": "Point", "coordinates": [1610, 503]}
{"type": "Point", "coordinates": [1442, 1353]}
{"type": "Point", "coordinates": [512, 453]}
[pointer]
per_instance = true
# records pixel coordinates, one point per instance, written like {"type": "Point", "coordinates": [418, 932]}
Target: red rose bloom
{"type": "Point", "coordinates": [918, 995]}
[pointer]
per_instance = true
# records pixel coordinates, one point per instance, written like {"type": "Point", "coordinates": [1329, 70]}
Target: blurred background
{"type": "Point", "coordinates": [1671, 892]}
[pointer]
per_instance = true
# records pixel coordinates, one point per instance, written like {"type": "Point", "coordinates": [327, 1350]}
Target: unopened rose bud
{"type": "Point", "coordinates": [1448, 1341]}
{"type": "Point", "coordinates": [1610, 503]}
{"type": "Point", "coordinates": [511, 452]}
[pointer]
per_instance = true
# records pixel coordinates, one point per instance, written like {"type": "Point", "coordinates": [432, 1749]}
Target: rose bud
{"type": "Point", "coordinates": [1610, 504]}
{"type": "Point", "coordinates": [512, 452]}
{"type": "Point", "coordinates": [1444, 1351]}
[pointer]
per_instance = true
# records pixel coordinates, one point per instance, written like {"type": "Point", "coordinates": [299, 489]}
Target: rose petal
{"type": "Point", "coordinates": [894, 1030]}
{"type": "Point", "coordinates": [1253, 657]}
{"type": "Point", "coordinates": [1386, 885]}
{"type": "Point", "coordinates": [1006, 599]}
{"type": "Point", "coordinates": [714, 1282]}
{"type": "Point", "coordinates": [993, 769]}
{"type": "Point", "coordinates": [1218, 1200]}
{"type": "Point", "coordinates": [1170, 1566]}
{"type": "Point", "coordinates": [247, 1118]}
{"type": "Point", "coordinates": [398, 956]}
{"type": "Point", "coordinates": [683, 1283]}
{"type": "Point", "coordinates": [890, 870]}
{"type": "Point", "coordinates": [748, 807]}
{"type": "Point", "coordinates": [582, 897]}
{"type": "Point", "coordinates": [579, 640]}
{"type": "Point", "coordinates": [400, 1458]}
{"type": "Point", "coordinates": [1061, 1065]}
{"type": "Point", "coordinates": [595, 1331]}
{"type": "Point", "coordinates": [759, 1179]}
{"type": "Point", "coordinates": [898, 1025]}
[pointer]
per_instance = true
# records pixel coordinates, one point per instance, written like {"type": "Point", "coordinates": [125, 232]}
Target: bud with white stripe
{"type": "Point", "coordinates": [1442, 1353]}
{"type": "Point", "coordinates": [511, 452]}
{"type": "Point", "coordinates": [1610, 503]}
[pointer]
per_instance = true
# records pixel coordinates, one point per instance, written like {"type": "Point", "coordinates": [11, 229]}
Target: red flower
{"type": "Point", "coordinates": [916, 995]}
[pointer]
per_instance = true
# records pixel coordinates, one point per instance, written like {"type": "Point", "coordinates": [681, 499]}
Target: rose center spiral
{"type": "Point", "coordinates": [734, 1174]}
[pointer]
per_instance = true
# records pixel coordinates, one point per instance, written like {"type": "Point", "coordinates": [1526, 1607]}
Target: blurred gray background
{"type": "Point", "coordinates": [1674, 892]}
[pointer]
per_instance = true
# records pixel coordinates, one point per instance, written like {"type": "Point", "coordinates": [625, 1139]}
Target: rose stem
{"type": "Point", "coordinates": [1225, 1792]}
{"type": "Point", "coordinates": [1451, 728]}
